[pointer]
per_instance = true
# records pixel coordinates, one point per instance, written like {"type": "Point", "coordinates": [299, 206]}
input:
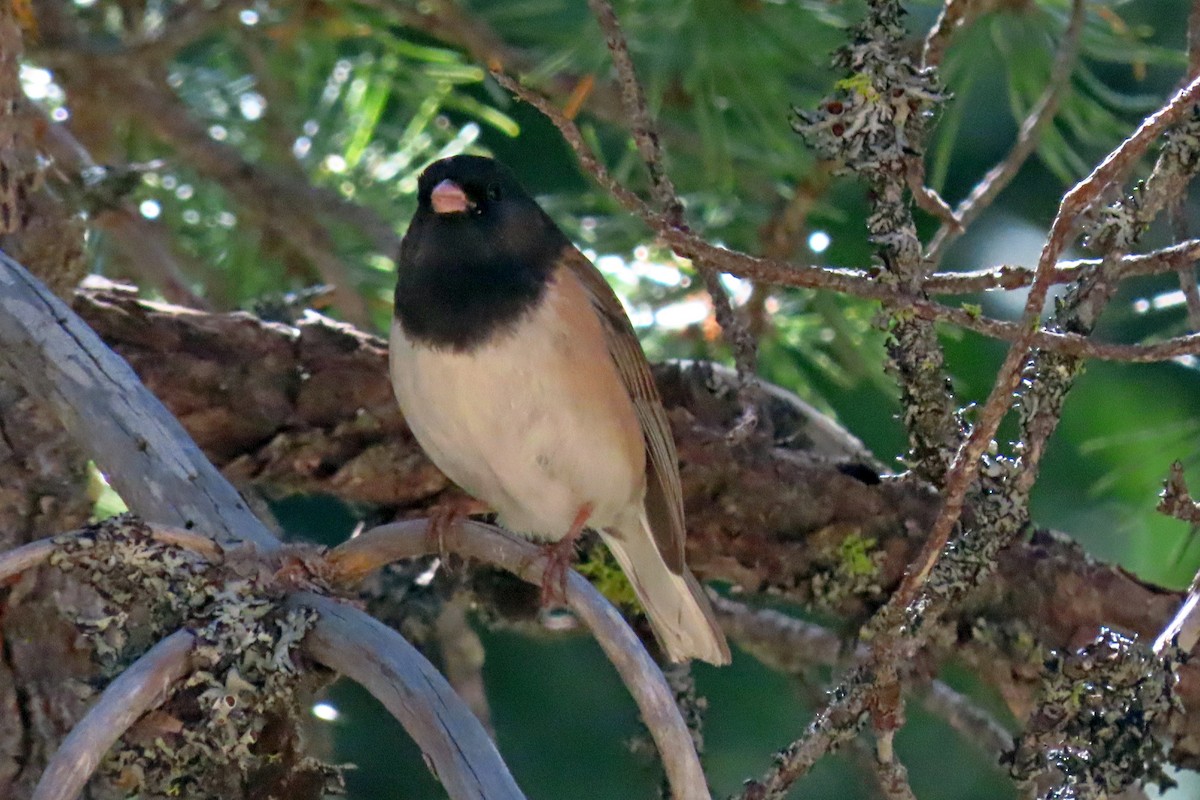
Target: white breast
{"type": "Point", "coordinates": [535, 423]}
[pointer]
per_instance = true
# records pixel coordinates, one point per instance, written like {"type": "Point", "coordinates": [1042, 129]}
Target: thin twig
{"type": "Point", "coordinates": [962, 714]}
{"type": "Point", "coordinates": [152, 462]}
{"type": "Point", "coordinates": [1186, 272]}
{"type": "Point", "coordinates": [1076, 202]}
{"type": "Point", "coordinates": [833, 726]}
{"type": "Point", "coordinates": [791, 646]}
{"type": "Point", "coordinates": [363, 554]}
{"type": "Point", "coordinates": [893, 775]}
{"type": "Point", "coordinates": [861, 284]}
{"type": "Point", "coordinates": [953, 14]}
{"type": "Point", "coordinates": [458, 749]}
{"type": "Point", "coordinates": [784, 643]}
{"type": "Point", "coordinates": [574, 137]}
{"type": "Point", "coordinates": [1006, 277]}
{"type": "Point", "coordinates": [633, 99]}
{"type": "Point", "coordinates": [748, 266]}
{"type": "Point", "coordinates": [1176, 501]}
{"type": "Point", "coordinates": [1072, 344]}
{"type": "Point", "coordinates": [1030, 133]}
{"type": "Point", "coordinates": [143, 686]}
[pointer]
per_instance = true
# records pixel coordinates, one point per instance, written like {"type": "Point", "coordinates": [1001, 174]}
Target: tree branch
{"type": "Point", "coordinates": [403, 540]}
{"type": "Point", "coordinates": [1028, 137]}
{"type": "Point", "coordinates": [18, 559]}
{"type": "Point", "coordinates": [140, 688]}
{"type": "Point", "coordinates": [368, 652]}
{"type": "Point", "coordinates": [633, 99]}
{"type": "Point", "coordinates": [149, 458]}
{"type": "Point", "coordinates": [763, 515]}
{"type": "Point", "coordinates": [1082, 197]}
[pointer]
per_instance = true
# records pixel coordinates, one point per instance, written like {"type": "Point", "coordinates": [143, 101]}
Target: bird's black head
{"type": "Point", "coordinates": [477, 256]}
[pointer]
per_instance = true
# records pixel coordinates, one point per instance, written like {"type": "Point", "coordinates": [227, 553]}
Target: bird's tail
{"type": "Point", "coordinates": [679, 612]}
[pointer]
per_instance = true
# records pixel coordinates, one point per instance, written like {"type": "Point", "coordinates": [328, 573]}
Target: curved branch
{"type": "Point", "coordinates": [357, 557]}
{"type": "Point", "coordinates": [373, 655]}
{"type": "Point", "coordinates": [14, 562]}
{"type": "Point", "coordinates": [765, 515]}
{"type": "Point", "coordinates": [137, 690]}
{"type": "Point", "coordinates": [152, 462]}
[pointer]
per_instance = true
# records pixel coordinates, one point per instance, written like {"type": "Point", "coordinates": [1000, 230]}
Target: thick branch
{"type": "Point", "coordinates": [309, 409]}
{"type": "Point", "coordinates": [149, 458]}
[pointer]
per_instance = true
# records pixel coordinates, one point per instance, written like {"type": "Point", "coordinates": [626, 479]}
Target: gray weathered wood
{"type": "Point", "coordinates": [142, 687]}
{"type": "Point", "coordinates": [143, 450]}
{"type": "Point", "coordinates": [368, 652]}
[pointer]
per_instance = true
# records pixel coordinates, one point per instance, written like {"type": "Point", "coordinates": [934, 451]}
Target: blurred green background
{"type": "Point", "coordinates": [357, 96]}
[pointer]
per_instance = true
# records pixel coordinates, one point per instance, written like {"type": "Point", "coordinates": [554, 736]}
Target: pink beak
{"type": "Point", "coordinates": [449, 198]}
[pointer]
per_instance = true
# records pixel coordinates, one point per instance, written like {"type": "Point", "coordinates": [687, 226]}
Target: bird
{"type": "Point", "coordinates": [521, 377]}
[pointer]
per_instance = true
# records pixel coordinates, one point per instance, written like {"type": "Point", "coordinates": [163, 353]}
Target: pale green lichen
{"type": "Point", "coordinates": [227, 725]}
{"type": "Point", "coordinates": [1094, 731]}
{"type": "Point", "coordinates": [858, 556]}
{"type": "Point", "coordinates": [602, 569]}
{"type": "Point", "coordinates": [849, 572]}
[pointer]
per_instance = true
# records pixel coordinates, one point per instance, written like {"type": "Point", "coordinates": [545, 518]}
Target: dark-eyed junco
{"type": "Point", "coordinates": [521, 377]}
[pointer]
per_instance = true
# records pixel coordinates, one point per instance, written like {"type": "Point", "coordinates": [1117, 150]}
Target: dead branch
{"type": "Point", "coordinates": [140, 688]}
{"type": "Point", "coordinates": [633, 99]}
{"type": "Point", "coordinates": [403, 540]}
{"type": "Point", "coordinates": [15, 561]}
{"type": "Point", "coordinates": [368, 652]}
{"type": "Point", "coordinates": [149, 457]}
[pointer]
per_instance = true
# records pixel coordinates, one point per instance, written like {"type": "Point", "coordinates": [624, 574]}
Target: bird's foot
{"type": "Point", "coordinates": [559, 557]}
{"type": "Point", "coordinates": [445, 516]}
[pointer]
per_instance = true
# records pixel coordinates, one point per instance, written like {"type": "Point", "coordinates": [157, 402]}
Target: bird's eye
{"type": "Point", "coordinates": [493, 191]}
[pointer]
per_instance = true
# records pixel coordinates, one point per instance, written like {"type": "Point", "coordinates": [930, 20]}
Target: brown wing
{"type": "Point", "coordinates": [664, 495]}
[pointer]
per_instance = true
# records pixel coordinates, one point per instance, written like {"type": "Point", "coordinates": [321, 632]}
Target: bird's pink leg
{"type": "Point", "coordinates": [444, 516]}
{"type": "Point", "coordinates": [560, 556]}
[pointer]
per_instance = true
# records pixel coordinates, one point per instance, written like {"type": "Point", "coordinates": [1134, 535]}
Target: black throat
{"type": "Point", "coordinates": [465, 278]}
